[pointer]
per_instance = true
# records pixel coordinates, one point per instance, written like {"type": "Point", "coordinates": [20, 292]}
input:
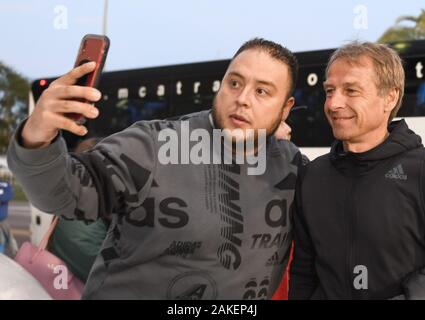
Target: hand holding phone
{"type": "Point", "coordinates": [68, 100]}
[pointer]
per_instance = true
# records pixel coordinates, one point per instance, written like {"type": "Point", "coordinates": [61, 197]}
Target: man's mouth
{"type": "Point", "coordinates": [342, 118]}
{"type": "Point", "coordinates": [238, 119]}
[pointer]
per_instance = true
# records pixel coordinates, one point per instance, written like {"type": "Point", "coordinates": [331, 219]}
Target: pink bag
{"type": "Point", "coordinates": [49, 270]}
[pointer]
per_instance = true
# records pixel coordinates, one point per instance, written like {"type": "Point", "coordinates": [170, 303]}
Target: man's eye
{"type": "Point", "coordinates": [352, 91]}
{"type": "Point", "coordinates": [329, 91]}
{"type": "Point", "coordinates": [234, 83]}
{"type": "Point", "coordinates": [261, 92]}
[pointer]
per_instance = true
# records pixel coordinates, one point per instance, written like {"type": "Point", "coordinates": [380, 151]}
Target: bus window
{"type": "Point", "coordinates": [307, 118]}
{"type": "Point", "coordinates": [193, 94]}
{"type": "Point", "coordinates": [414, 91]}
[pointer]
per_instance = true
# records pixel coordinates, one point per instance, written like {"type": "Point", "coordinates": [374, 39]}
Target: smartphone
{"type": "Point", "coordinates": [92, 48]}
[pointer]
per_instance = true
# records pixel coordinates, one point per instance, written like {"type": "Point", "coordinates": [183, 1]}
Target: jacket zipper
{"type": "Point", "coordinates": [351, 220]}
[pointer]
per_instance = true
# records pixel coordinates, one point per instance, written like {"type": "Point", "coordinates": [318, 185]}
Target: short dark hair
{"type": "Point", "coordinates": [277, 52]}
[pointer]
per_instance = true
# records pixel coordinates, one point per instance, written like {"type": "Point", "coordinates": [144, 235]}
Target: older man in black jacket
{"type": "Point", "coordinates": [360, 215]}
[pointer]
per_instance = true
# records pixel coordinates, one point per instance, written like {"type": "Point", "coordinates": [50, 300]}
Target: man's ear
{"type": "Point", "coordinates": [391, 99]}
{"type": "Point", "coordinates": [287, 107]}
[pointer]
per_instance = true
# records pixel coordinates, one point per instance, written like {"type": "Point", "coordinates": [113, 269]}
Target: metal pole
{"type": "Point", "coordinates": [105, 17]}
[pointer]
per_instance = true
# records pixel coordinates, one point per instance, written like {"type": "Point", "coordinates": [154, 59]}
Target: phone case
{"type": "Point", "coordinates": [92, 48]}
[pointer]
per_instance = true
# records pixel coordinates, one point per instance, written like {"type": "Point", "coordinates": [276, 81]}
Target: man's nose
{"type": "Point", "coordinates": [335, 101]}
{"type": "Point", "coordinates": [243, 99]}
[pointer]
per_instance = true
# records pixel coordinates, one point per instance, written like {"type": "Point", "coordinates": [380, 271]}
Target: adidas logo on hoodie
{"type": "Point", "coordinates": [396, 173]}
{"type": "Point", "coordinates": [274, 260]}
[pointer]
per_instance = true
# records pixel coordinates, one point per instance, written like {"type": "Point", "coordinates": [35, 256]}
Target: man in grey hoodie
{"type": "Point", "coordinates": [192, 230]}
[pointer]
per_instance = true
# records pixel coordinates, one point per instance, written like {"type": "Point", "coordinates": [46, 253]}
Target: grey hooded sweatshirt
{"type": "Point", "coordinates": [178, 231]}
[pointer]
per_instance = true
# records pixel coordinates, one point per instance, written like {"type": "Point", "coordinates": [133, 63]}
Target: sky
{"type": "Point", "coordinates": [41, 38]}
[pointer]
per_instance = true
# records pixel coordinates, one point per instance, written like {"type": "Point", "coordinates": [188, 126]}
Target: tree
{"type": "Point", "coordinates": [14, 89]}
{"type": "Point", "coordinates": [400, 32]}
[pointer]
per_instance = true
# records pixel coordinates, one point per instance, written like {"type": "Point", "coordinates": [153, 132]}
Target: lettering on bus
{"type": "Point", "coordinates": [312, 79]}
{"type": "Point", "coordinates": [122, 93]}
{"type": "Point", "coordinates": [419, 66]}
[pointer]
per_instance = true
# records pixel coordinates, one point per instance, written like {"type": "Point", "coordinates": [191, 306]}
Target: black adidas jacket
{"type": "Point", "coordinates": [359, 221]}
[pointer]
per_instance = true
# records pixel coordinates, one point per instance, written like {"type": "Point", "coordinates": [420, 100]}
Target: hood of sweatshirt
{"type": "Point", "coordinates": [401, 139]}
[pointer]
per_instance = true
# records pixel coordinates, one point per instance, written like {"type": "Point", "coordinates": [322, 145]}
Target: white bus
{"type": "Point", "coordinates": [170, 91]}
